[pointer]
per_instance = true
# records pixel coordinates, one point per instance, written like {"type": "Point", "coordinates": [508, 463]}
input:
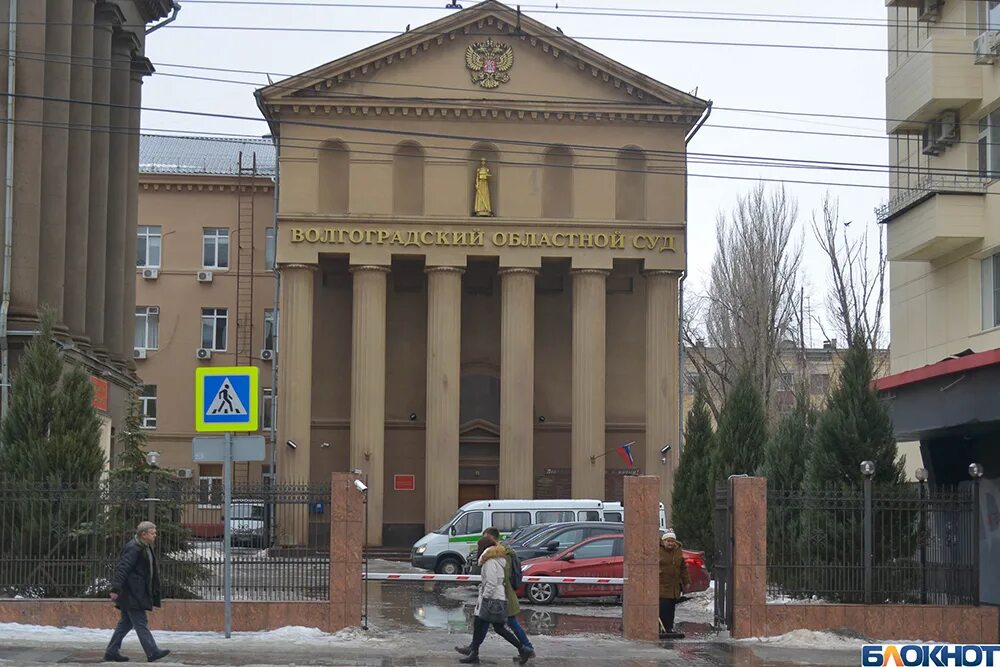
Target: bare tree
{"type": "Point", "coordinates": [752, 304]}
{"type": "Point", "coordinates": [856, 296]}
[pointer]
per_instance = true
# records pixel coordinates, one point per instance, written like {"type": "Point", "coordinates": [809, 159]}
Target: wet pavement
{"type": "Point", "coordinates": [419, 624]}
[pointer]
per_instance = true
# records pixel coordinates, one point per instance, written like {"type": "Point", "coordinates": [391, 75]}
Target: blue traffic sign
{"type": "Point", "coordinates": [226, 399]}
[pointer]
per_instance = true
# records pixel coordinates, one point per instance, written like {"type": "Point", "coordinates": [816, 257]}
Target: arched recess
{"type": "Point", "coordinates": [334, 177]}
{"type": "Point", "coordinates": [408, 179]}
{"type": "Point", "coordinates": [630, 184]}
{"type": "Point", "coordinates": [488, 152]}
{"type": "Point", "coordinates": [557, 183]}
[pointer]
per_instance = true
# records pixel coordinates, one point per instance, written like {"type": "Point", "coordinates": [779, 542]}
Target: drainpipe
{"type": "Point", "coordinates": [8, 201]}
{"type": "Point", "coordinates": [275, 360]}
{"type": "Point", "coordinates": [173, 17]}
{"type": "Point", "coordinates": [680, 297]}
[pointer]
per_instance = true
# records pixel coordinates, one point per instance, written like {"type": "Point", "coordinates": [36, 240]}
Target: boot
{"type": "Point", "coordinates": [471, 659]}
{"type": "Point", "coordinates": [115, 657]}
{"type": "Point", "coordinates": [464, 650]}
{"type": "Point", "coordinates": [524, 655]}
{"type": "Point", "coordinates": [158, 655]}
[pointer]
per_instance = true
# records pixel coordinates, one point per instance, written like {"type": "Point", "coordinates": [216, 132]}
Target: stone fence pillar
{"type": "Point", "coordinates": [749, 558]}
{"type": "Point", "coordinates": [347, 514]}
{"type": "Point", "coordinates": [641, 599]}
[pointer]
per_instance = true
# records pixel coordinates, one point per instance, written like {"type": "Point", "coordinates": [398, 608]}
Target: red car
{"type": "Point", "coordinates": [601, 556]}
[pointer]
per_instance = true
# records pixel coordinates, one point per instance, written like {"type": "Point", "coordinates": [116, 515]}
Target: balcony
{"type": "Point", "coordinates": [941, 75]}
{"type": "Point", "coordinates": [940, 214]}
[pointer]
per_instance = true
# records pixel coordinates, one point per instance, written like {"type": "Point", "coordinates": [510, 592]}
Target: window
{"type": "Point", "coordinates": [269, 249]}
{"type": "Point", "coordinates": [269, 330]}
{"type": "Point", "coordinates": [210, 485]}
{"type": "Point", "coordinates": [147, 401]}
{"type": "Point", "coordinates": [471, 523]}
{"type": "Point", "coordinates": [786, 382]}
{"type": "Point", "coordinates": [989, 145]}
{"type": "Point", "coordinates": [989, 14]}
{"type": "Point", "coordinates": [613, 516]}
{"type": "Point", "coordinates": [215, 248]}
{"type": "Point", "coordinates": [554, 517]}
{"type": "Point", "coordinates": [214, 328]}
{"type": "Point", "coordinates": [596, 549]}
{"type": "Point", "coordinates": [266, 409]}
{"type": "Point", "coordinates": [148, 247]}
{"type": "Point", "coordinates": [567, 538]}
{"type": "Point", "coordinates": [589, 515]}
{"type": "Point", "coordinates": [147, 327]}
{"type": "Point", "coordinates": [991, 291]}
{"type": "Point", "coordinates": [505, 522]}
{"type": "Point", "coordinates": [820, 383]}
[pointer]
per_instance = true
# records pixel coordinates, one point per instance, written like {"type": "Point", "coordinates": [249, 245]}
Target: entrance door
{"type": "Point", "coordinates": [469, 492]}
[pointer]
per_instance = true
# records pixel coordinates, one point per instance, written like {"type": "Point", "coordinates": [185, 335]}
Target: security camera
{"type": "Point", "coordinates": [291, 444]}
{"type": "Point", "coordinates": [360, 486]}
{"type": "Point", "coordinates": [664, 450]}
{"type": "Point", "coordinates": [325, 445]}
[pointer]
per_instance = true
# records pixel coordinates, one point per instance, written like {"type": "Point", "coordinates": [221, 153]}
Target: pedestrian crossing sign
{"type": "Point", "coordinates": [225, 399]}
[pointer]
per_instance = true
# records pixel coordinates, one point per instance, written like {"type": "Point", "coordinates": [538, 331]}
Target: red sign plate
{"type": "Point", "coordinates": [404, 482]}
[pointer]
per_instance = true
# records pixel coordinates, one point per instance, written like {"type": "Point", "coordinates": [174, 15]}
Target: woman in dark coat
{"type": "Point", "coordinates": [135, 589]}
{"type": "Point", "coordinates": [673, 579]}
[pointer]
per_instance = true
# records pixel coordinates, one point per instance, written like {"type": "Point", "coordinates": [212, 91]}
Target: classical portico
{"type": "Point", "coordinates": [453, 342]}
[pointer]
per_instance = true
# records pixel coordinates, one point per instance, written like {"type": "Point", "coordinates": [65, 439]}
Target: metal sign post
{"type": "Point", "coordinates": [227, 519]}
{"type": "Point", "coordinates": [226, 401]}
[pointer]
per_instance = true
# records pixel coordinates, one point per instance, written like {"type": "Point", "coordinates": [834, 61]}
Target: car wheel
{"type": "Point", "coordinates": [541, 593]}
{"type": "Point", "coordinates": [449, 566]}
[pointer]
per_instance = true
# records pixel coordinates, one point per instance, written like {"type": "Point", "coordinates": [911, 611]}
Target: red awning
{"type": "Point", "coordinates": [947, 367]}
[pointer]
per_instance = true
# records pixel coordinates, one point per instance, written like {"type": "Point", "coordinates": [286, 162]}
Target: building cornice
{"type": "Point", "coordinates": [200, 183]}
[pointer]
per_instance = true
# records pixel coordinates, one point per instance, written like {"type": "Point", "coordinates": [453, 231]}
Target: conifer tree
{"type": "Point", "coordinates": [694, 497]}
{"type": "Point", "coordinates": [787, 451]}
{"type": "Point", "coordinates": [742, 431]}
{"type": "Point", "coordinates": [854, 427]}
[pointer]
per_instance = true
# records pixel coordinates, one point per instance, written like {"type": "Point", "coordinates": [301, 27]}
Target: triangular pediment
{"type": "Point", "coordinates": [479, 429]}
{"type": "Point", "coordinates": [427, 66]}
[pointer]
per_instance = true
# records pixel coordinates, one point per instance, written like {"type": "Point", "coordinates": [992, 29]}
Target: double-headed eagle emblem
{"type": "Point", "coordinates": [489, 62]}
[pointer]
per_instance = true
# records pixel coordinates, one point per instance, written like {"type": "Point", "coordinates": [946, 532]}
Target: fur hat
{"type": "Point", "coordinates": [669, 535]}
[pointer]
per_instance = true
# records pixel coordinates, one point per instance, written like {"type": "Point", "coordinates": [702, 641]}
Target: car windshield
{"type": "Point", "coordinates": [443, 530]}
{"type": "Point", "coordinates": [540, 538]}
{"type": "Point", "coordinates": [248, 512]}
{"type": "Point", "coordinates": [522, 535]}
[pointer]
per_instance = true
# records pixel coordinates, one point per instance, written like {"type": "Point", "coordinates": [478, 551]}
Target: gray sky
{"type": "Point", "coordinates": [783, 79]}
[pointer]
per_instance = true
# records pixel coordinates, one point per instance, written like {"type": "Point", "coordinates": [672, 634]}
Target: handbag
{"type": "Point", "coordinates": [493, 611]}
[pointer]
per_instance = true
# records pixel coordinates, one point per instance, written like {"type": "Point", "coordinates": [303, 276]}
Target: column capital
{"type": "Point", "coordinates": [358, 268]}
{"type": "Point", "coordinates": [309, 267]}
{"type": "Point", "coordinates": [444, 269]}
{"type": "Point", "coordinates": [656, 273]}
{"type": "Point", "coordinates": [591, 272]}
{"type": "Point", "coordinates": [142, 67]}
{"type": "Point", "coordinates": [516, 270]}
{"type": "Point", "coordinates": [108, 14]}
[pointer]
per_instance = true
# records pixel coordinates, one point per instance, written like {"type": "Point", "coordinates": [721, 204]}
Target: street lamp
{"type": "Point", "coordinates": [921, 474]}
{"type": "Point", "coordinates": [868, 468]}
{"type": "Point", "coordinates": [975, 471]}
{"type": "Point", "coordinates": [153, 459]}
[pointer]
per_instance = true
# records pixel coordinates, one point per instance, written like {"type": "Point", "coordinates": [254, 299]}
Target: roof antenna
{"type": "Point", "coordinates": [453, 5]}
{"type": "Point", "coordinates": [517, 28]}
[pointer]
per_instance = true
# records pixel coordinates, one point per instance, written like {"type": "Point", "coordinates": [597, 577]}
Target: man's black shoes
{"type": "Point", "coordinates": [159, 654]}
{"type": "Point", "coordinates": [115, 657]}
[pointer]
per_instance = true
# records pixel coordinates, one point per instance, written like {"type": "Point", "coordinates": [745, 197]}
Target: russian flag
{"type": "Point", "coordinates": [625, 451]}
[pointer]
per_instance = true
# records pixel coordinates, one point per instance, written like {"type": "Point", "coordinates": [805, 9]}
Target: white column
{"type": "Point", "coordinates": [589, 342]}
{"type": "Point", "coordinates": [517, 382]}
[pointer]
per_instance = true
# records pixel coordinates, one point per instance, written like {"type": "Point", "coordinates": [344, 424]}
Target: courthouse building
{"type": "Point", "coordinates": [481, 236]}
{"type": "Point", "coordinates": [70, 215]}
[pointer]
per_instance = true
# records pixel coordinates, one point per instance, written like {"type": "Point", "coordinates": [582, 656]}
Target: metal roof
{"type": "Point", "coordinates": [211, 156]}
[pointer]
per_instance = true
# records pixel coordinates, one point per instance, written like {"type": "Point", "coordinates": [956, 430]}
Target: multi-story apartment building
{"type": "Point", "coordinates": [943, 220]}
{"type": "Point", "coordinates": [70, 137]}
{"type": "Point", "coordinates": [205, 283]}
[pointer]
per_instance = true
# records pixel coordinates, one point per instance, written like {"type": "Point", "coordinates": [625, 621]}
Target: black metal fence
{"type": "Point", "coordinates": [874, 545]}
{"type": "Point", "coordinates": [722, 517]}
{"type": "Point", "coordinates": [62, 539]}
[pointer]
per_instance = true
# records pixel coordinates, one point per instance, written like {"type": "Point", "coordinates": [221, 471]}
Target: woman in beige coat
{"type": "Point", "coordinates": [491, 605]}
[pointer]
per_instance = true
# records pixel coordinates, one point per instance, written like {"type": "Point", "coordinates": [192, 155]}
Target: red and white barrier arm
{"type": "Point", "coordinates": [475, 578]}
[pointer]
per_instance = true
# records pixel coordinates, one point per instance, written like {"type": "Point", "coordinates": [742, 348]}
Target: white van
{"type": "Point", "coordinates": [445, 550]}
{"type": "Point", "coordinates": [616, 512]}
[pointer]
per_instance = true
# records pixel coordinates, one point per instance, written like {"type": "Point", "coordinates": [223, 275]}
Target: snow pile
{"type": "Point", "coordinates": [812, 639]}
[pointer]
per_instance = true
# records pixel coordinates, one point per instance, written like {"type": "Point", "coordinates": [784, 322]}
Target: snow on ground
{"type": "Point", "coordinates": [811, 639]}
{"type": "Point", "coordinates": [298, 635]}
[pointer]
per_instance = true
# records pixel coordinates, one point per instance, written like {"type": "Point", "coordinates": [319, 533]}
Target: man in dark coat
{"type": "Point", "coordinates": [135, 589]}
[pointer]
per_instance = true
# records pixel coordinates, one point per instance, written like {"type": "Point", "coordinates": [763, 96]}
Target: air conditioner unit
{"type": "Point", "coordinates": [929, 10]}
{"type": "Point", "coordinates": [266, 355]}
{"type": "Point", "coordinates": [204, 276]}
{"type": "Point", "coordinates": [152, 310]}
{"type": "Point", "coordinates": [947, 128]}
{"type": "Point", "coordinates": [204, 353]}
{"type": "Point", "coordinates": [930, 134]}
{"type": "Point", "coordinates": [987, 44]}
{"type": "Point", "coordinates": [139, 353]}
{"type": "Point", "coordinates": [185, 473]}
{"type": "Point", "coordinates": [150, 274]}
